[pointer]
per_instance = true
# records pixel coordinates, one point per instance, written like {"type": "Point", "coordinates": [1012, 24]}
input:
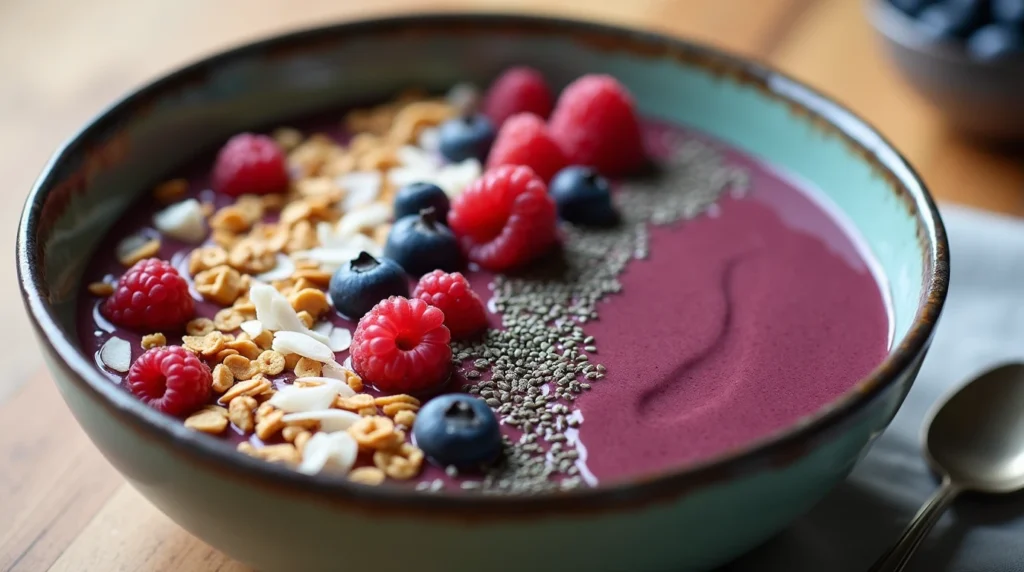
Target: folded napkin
{"type": "Point", "coordinates": [982, 325]}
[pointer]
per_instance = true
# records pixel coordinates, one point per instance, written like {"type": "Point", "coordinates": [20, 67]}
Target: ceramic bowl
{"type": "Point", "coordinates": [980, 98]}
{"type": "Point", "coordinates": [690, 519]}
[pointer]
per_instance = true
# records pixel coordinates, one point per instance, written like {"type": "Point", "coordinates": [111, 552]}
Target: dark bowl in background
{"type": "Point", "coordinates": [981, 98]}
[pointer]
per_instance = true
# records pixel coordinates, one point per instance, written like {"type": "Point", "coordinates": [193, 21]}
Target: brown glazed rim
{"type": "Point", "coordinates": [777, 450]}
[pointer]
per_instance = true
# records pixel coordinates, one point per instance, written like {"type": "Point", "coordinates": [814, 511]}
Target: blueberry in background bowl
{"type": "Point", "coordinates": [965, 56]}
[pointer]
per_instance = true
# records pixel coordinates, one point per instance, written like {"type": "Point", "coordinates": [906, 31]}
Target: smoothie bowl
{"type": "Point", "coordinates": [634, 304]}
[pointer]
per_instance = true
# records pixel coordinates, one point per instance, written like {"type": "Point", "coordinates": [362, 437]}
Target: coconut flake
{"type": "Point", "coordinates": [361, 188]}
{"type": "Point", "coordinates": [295, 399]}
{"type": "Point", "coordinates": [416, 158]}
{"type": "Point", "coordinates": [275, 313]}
{"type": "Point", "coordinates": [289, 342]}
{"type": "Point", "coordinates": [116, 354]}
{"type": "Point", "coordinates": [402, 176]}
{"type": "Point", "coordinates": [183, 221]}
{"type": "Point", "coordinates": [330, 419]}
{"type": "Point", "coordinates": [364, 218]}
{"type": "Point", "coordinates": [329, 452]}
{"type": "Point", "coordinates": [282, 270]}
{"type": "Point", "coordinates": [342, 389]}
{"type": "Point", "coordinates": [335, 370]}
{"type": "Point", "coordinates": [454, 178]}
{"type": "Point", "coordinates": [339, 339]}
{"type": "Point", "coordinates": [252, 327]}
{"type": "Point", "coordinates": [429, 139]}
{"type": "Point", "coordinates": [323, 328]}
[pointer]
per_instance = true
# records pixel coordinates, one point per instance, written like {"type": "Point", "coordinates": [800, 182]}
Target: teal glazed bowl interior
{"type": "Point", "coordinates": [690, 519]}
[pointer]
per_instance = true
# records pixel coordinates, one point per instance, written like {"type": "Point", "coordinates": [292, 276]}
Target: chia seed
{"type": "Point", "coordinates": [535, 361]}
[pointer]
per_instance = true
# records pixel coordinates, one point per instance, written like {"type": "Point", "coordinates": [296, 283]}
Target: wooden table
{"type": "Point", "coordinates": [64, 507]}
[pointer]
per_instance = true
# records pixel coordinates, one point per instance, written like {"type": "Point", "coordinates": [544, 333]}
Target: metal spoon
{"type": "Point", "coordinates": [975, 442]}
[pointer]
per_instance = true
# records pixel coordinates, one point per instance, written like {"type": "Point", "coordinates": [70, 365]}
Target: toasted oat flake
{"type": "Point", "coordinates": [183, 221]}
{"type": "Point", "coordinates": [212, 420]}
{"type": "Point", "coordinates": [367, 476]}
{"type": "Point", "coordinates": [334, 452]}
{"type": "Point", "coordinates": [116, 354]}
{"type": "Point", "coordinates": [223, 379]}
{"type": "Point", "coordinates": [302, 344]}
{"type": "Point", "coordinates": [405, 418]}
{"type": "Point", "coordinates": [240, 412]}
{"type": "Point", "coordinates": [199, 327]}
{"type": "Point", "coordinates": [170, 191]}
{"type": "Point", "coordinates": [306, 367]}
{"type": "Point", "coordinates": [101, 289]}
{"type": "Point", "coordinates": [135, 248]}
{"type": "Point", "coordinates": [156, 340]}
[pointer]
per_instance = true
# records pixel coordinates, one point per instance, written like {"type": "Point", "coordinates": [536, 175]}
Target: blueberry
{"type": "Point", "coordinates": [952, 19]}
{"type": "Point", "coordinates": [413, 198]}
{"type": "Point", "coordinates": [1008, 11]}
{"type": "Point", "coordinates": [466, 137]}
{"type": "Point", "coordinates": [421, 244]}
{"type": "Point", "coordinates": [458, 430]}
{"type": "Point", "coordinates": [357, 286]}
{"type": "Point", "coordinates": [583, 197]}
{"type": "Point", "coordinates": [911, 7]}
{"type": "Point", "coordinates": [995, 42]}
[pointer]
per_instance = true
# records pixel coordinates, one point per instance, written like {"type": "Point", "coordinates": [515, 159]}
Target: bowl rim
{"type": "Point", "coordinates": [784, 446]}
{"type": "Point", "coordinates": [900, 28]}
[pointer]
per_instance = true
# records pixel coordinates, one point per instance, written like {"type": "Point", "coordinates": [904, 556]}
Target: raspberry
{"type": "Point", "coordinates": [524, 140]}
{"type": "Point", "coordinates": [170, 379]}
{"type": "Point", "coordinates": [401, 345]}
{"type": "Point", "coordinates": [150, 296]}
{"type": "Point", "coordinates": [464, 313]}
{"type": "Point", "coordinates": [505, 218]}
{"type": "Point", "coordinates": [250, 163]}
{"type": "Point", "coordinates": [517, 90]}
{"type": "Point", "coordinates": [596, 125]}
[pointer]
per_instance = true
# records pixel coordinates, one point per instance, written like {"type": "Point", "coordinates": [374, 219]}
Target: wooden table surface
{"type": "Point", "coordinates": [63, 506]}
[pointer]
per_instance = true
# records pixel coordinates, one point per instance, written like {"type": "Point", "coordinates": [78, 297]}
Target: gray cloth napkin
{"type": "Point", "coordinates": [982, 325]}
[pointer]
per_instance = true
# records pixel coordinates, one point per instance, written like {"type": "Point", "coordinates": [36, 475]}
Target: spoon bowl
{"type": "Point", "coordinates": [977, 436]}
{"type": "Point", "coordinates": [975, 441]}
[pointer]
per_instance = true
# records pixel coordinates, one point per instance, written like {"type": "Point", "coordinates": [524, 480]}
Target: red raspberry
{"type": "Point", "coordinates": [250, 163]}
{"type": "Point", "coordinates": [517, 90]}
{"type": "Point", "coordinates": [150, 296]}
{"type": "Point", "coordinates": [464, 313]}
{"type": "Point", "coordinates": [524, 140]}
{"type": "Point", "coordinates": [170, 379]}
{"type": "Point", "coordinates": [401, 345]}
{"type": "Point", "coordinates": [595, 123]}
{"type": "Point", "coordinates": [505, 218]}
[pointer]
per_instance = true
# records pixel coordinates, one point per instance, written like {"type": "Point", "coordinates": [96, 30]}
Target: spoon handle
{"type": "Point", "coordinates": [898, 556]}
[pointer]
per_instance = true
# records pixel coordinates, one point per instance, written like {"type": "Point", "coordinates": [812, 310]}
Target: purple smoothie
{"type": "Point", "coordinates": [738, 323]}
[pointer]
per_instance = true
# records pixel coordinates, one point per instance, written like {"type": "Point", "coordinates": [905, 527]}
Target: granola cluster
{"type": "Point", "coordinates": [273, 379]}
